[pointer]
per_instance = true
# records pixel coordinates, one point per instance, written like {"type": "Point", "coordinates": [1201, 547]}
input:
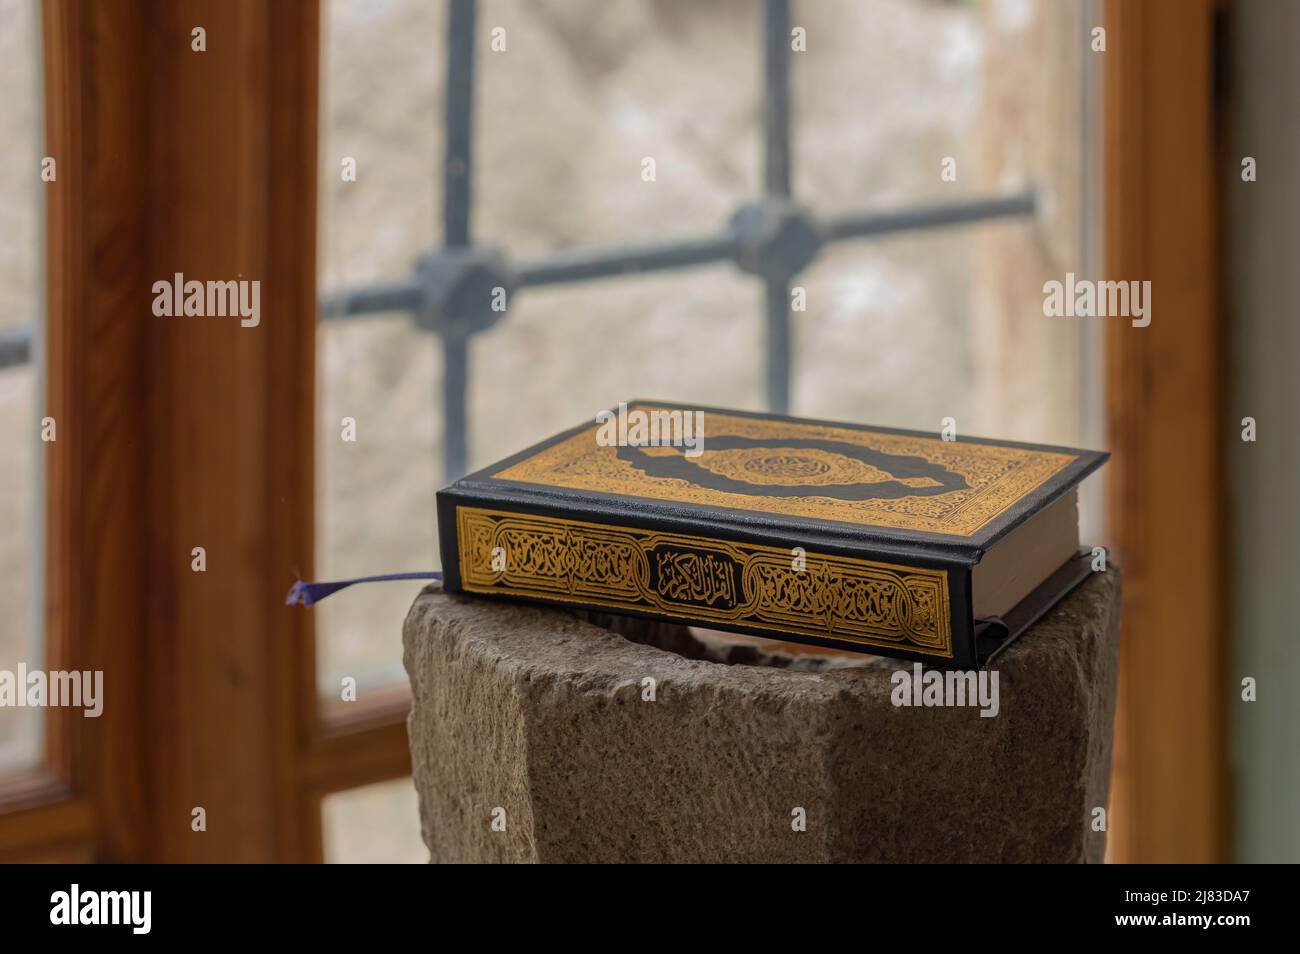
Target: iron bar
{"type": "Point", "coordinates": [777, 296]}
{"type": "Point", "coordinates": [938, 215]}
{"type": "Point", "coordinates": [776, 184]}
{"type": "Point", "coordinates": [583, 264]}
{"type": "Point", "coordinates": [456, 196]}
{"type": "Point", "coordinates": [403, 295]}
{"type": "Point", "coordinates": [15, 345]}
{"type": "Point", "coordinates": [459, 105]}
{"type": "Point", "coordinates": [776, 98]}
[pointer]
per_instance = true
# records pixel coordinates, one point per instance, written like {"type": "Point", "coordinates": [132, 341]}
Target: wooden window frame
{"type": "Point", "coordinates": [1168, 429]}
{"type": "Point", "coordinates": [173, 434]}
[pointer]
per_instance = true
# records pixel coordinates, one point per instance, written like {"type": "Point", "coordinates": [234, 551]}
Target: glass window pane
{"type": "Point", "coordinates": [585, 92]}
{"type": "Point", "coordinates": [564, 352]}
{"type": "Point", "coordinates": [381, 106]}
{"type": "Point", "coordinates": [21, 234]}
{"type": "Point", "coordinates": [953, 102]}
{"type": "Point", "coordinates": [375, 824]}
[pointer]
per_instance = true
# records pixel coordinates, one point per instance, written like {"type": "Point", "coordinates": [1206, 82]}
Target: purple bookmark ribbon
{"type": "Point", "coordinates": [309, 594]}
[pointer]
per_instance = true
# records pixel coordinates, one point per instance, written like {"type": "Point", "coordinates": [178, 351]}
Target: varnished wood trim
{"type": "Point", "coordinates": [1165, 394]}
{"type": "Point", "coordinates": [41, 820]}
{"type": "Point", "coordinates": [97, 389]}
{"type": "Point", "coordinates": [370, 747]}
{"type": "Point", "coordinates": [175, 433]}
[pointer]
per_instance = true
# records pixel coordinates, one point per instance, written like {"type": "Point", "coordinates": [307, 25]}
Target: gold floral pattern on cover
{"type": "Point", "coordinates": [702, 579]}
{"type": "Point", "coordinates": [991, 477]}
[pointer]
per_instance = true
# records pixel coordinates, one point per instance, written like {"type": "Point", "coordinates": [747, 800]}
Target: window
{"type": "Point", "coordinates": [20, 379]}
{"type": "Point", "coordinates": [945, 177]}
{"type": "Point", "coordinates": [611, 167]}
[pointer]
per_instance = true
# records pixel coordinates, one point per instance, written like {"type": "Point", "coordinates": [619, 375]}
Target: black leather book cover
{"type": "Point", "coordinates": [840, 535]}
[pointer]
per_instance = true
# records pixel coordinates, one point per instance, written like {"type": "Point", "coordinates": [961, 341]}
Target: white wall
{"type": "Point", "coordinates": [1264, 285]}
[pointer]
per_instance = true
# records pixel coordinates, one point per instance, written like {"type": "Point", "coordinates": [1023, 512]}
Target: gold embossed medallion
{"type": "Point", "coordinates": [808, 469]}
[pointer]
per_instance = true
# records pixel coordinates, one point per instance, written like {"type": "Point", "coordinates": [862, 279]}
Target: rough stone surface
{"type": "Point", "coordinates": [539, 712]}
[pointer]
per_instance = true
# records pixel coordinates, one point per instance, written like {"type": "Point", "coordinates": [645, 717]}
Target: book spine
{"type": "Point", "coordinates": [804, 594]}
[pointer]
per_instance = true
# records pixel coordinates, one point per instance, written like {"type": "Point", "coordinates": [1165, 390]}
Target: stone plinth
{"type": "Point", "coordinates": [539, 721]}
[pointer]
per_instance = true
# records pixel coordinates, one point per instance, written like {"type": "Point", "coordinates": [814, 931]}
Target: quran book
{"type": "Point", "coordinates": [868, 539]}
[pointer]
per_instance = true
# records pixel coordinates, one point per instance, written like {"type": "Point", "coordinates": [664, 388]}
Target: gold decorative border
{"type": "Point", "coordinates": [999, 476]}
{"type": "Point", "coordinates": [706, 580]}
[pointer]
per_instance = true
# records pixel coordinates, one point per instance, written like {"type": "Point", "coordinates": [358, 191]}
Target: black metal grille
{"type": "Point", "coordinates": [452, 290]}
{"type": "Point", "coordinates": [772, 238]}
